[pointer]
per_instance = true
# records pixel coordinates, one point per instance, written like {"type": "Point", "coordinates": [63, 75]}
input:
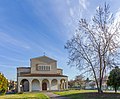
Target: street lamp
{"type": "Point", "coordinates": [21, 88]}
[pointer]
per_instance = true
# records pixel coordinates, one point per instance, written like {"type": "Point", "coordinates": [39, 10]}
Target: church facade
{"type": "Point", "coordinates": [42, 74]}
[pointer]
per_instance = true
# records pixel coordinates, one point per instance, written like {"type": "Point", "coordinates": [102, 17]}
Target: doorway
{"type": "Point", "coordinates": [44, 86]}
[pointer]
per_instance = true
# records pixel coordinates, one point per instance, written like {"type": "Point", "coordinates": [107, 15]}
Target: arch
{"type": "Point", "coordinates": [45, 84]}
{"type": "Point", "coordinates": [35, 85]}
{"type": "Point", "coordinates": [24, 85]}
{"type": "Point", "coordinates": [54, 84]}
{"type": "Point", "coordinates": [62, 84]}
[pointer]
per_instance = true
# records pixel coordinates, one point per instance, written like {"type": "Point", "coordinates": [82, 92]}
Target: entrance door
{"type": "Point", "coordinates": [44, 86]}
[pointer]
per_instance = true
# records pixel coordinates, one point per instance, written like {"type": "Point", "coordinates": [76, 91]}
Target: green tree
{"type": "Point", "coordinates": [3, 84]}
{"type": "Point", "coordinates": [114, 78]}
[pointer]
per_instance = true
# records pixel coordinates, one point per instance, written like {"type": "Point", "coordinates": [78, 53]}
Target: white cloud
{"type": "Point", "coordinates": [97, 8]}
{"type": "Point", "coordinates": [12, 59]}
{"type": "Point", "coordinates": [71, 12]}
{"type": "Point", "coordinates": [83, 3]}
{"type": "Point", "coordinates": [7, 66]}
{"type": "Point", "coordinates": [5, 38]}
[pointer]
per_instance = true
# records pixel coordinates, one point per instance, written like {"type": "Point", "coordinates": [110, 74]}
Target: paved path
{"type": "Point", "coordinates": [54, 96]}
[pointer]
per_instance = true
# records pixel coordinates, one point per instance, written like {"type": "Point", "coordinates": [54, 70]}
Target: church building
{"type": "Point", "coordinates": [42, 74]}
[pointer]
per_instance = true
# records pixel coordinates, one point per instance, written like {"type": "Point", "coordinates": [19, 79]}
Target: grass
{"type": "Point", "coordinates": [33, 95]}
{"type": "Point", "coordinates": [72, 94]}
{"type": "Point", "coordinates": [88, 94]}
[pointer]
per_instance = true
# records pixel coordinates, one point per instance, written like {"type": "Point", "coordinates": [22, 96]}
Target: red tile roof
{"type": "Point", "coordinates": [42, 75]}
{"type": "Point", "coordinates": [23, 67]}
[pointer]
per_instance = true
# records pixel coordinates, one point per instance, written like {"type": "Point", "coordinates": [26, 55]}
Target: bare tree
{"type": "Point", "coordinates": [79, 79]}
{"type": "Point", "coordinates": [71, 83]}
{"type": "Point", "coordinates": [95, 46]}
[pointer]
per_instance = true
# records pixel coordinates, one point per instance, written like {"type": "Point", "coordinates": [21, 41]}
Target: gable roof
{"type": "Point", "coordinates": [44, 58]}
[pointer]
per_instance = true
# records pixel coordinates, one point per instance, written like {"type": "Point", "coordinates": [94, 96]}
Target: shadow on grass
{"type": "Point", "coordinates": [24, 98]}
{"type": "Point", "coordinates": [93, 95]}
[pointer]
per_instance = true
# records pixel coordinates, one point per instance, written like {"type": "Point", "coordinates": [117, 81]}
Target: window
{"type": "Point", "coordinates": [43, 67]}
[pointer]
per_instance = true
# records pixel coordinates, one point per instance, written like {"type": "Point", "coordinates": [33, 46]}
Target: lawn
{"type": "Point", "coordinates": [88, 94]}
{"type": "Point", "coordinates": [33, 95]}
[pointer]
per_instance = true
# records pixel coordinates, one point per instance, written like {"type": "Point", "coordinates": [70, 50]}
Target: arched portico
{"type": "Point", "coordinates": [42, 84]}
{"type": "Point", "coordinates": [35, 85]}
{"type": "Point", "coordinates": [24, 85]}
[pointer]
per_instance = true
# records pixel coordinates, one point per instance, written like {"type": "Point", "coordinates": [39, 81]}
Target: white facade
{"type": "Point", "coordinates": [43, 74]}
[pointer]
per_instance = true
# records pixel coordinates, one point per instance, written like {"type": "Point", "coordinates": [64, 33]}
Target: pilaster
{"type": "Point", "coordinates": [49, 84]}
{"type": "Point", "coordinates": [30, 85]}
{"type": "Point", "coordinates": [67, 84]}
{"type": "Point", "coordinates": [19, 89]}
{"type": "Point", "coordinates": [58, 84]}
{"type": "Point", "coordinates": [40, 85]}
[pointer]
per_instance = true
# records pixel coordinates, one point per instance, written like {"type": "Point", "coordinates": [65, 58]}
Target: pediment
{"type": "Point", "coordinates": [44, 59]}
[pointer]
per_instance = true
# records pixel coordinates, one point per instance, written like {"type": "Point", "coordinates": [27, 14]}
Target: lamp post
{"type": "Point", "coordinates": [21, 88]}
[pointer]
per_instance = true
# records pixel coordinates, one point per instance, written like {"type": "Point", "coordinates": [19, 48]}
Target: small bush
{"type": "Point", "coordinates": [3, 91]}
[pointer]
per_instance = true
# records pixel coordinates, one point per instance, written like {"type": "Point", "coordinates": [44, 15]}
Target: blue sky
{"type": "Point", "coordinates": [28, 28]}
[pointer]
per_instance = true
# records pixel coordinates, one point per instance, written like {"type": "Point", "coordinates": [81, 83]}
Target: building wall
{"type": "Point", "coordinates": [35, 83]}
{"type": "Point", "coordinates": [23, 70]}
{"type": "Point", "coordinates": [59, 71]}
{"type": "Point", "coordinates": [35, 62]}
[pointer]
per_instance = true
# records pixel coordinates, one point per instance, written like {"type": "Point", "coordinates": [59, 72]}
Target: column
{"type": "Point", "coordinates": [49, 84]}
{"type": "Point", "coordinates": [66, 84]}
{"type": "Point", "coordinates": [19, 86]}
{"type": "Point", "coordinates": [30, 86]}
{"type": "Point", "coordinates": [40, 85]}
{"type": "Point", "coordinates": [58, 84]}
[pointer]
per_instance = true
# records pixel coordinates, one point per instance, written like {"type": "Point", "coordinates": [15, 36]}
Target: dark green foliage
{"type": "Point", "coordinates": [114, 78]}
{"type": "Point", "coordinates": [3, 84]}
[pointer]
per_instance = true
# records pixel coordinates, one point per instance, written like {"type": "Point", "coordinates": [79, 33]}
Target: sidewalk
{"type": "Point", "coordinates": [54, 96]}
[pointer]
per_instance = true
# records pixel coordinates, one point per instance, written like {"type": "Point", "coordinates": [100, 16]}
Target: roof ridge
{"type": "Point", "coordinates": [44, 56]}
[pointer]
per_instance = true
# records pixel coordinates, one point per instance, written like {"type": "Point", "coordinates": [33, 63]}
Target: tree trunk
{"type": "Point", "coordinates": [100, 90]}
{"type": "Point", "coordinates": [100, 86]}
{"type": "Point", "coordinates": [115, 89]}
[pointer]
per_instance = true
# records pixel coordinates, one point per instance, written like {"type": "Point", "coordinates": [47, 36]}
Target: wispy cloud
{"type": "Point", "coordinates": [76, 10]}
{"type": "Point", "coordinates": [71, 12]}
{"type": "Point", "coordinates": [6, 38]}
{"type": "Point", "coordinates": [84, 3]}
{"type": "Point", "coordinates": [12, 59]}
{"type": "Point", "coordinates": [8, 66]}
